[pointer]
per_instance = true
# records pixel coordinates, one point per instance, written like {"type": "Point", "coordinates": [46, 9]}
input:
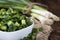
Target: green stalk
{"type": "Point", "coordinates": [35, 15]}
{"type": "Point", "coordinates": [17, 4]}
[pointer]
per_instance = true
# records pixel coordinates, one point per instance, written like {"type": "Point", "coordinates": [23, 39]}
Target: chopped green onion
{"type": "Point", "coordinates": [23, 22]}
{"type": "Point", "coordinates": [17, 24]}
{"type": "Point", "coordinates": [3, 28]}
{"type": "Point", "coordinates": [9, 23]}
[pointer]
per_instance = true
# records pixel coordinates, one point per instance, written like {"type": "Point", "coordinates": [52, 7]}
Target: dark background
{"type": "Point", "coordinates": [53, 6]}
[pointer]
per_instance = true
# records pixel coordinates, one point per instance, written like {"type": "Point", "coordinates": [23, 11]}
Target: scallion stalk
{"type": "Point", "coordinates": [44, 12]}
{"type": "Point", "coordinates": [42, 19]}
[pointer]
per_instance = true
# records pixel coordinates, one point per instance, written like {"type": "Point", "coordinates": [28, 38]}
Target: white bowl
{"type": "Point", "coordinates": [16, 35]}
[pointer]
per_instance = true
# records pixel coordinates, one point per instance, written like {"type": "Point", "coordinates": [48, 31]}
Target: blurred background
{"type": "Point", "coordinates": [54, 7]}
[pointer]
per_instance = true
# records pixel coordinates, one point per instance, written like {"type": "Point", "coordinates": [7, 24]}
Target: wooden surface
{"type": "Point", "coordinates": [53, 6]}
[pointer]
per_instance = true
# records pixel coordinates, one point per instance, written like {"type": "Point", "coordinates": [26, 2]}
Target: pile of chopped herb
{"type": "Point", "coordinates": [13, 20]}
